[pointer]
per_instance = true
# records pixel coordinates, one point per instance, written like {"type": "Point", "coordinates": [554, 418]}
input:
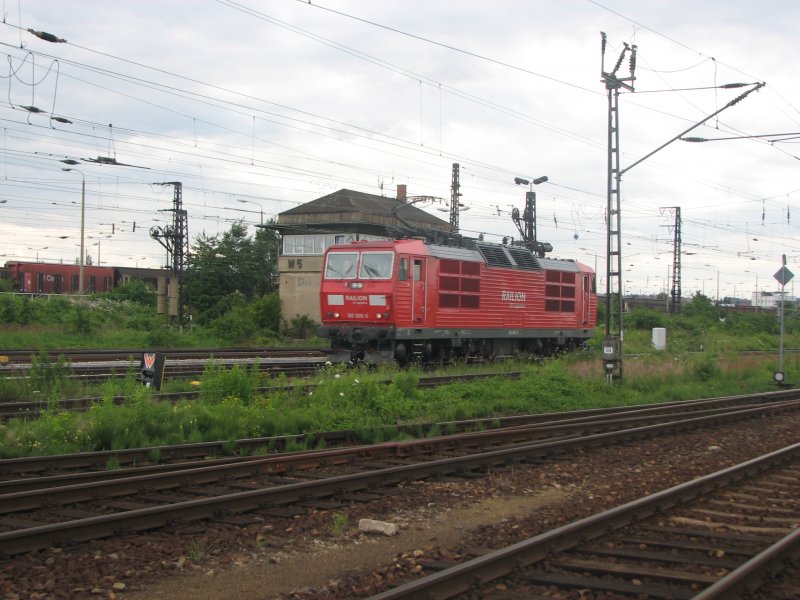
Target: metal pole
{"type": "Point", "coordinates": [83, 232]}
{"type": "Point", "coordinates": [783, 287]}
{"type": "Point", "coordinates": [82, 258]}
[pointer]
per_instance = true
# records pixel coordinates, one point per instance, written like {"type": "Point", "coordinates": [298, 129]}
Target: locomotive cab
{"type": "Point", "coordinates": [356, 301]}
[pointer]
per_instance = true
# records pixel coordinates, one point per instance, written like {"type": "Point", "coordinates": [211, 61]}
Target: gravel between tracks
{"type": "Point", "coordinates": [321, 554]}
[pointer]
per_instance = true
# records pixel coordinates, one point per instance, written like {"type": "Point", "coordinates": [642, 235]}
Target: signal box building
{"type": "Point", "coordinates": [344, 216]}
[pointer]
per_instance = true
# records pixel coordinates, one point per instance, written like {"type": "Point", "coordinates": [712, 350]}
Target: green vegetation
{"type": "Point", "coordinates": [340, 522]}
{"type": "Point", "coordinates": [231, 283]}
{"type": "Point", "coordinates": [231, 407]}
{"type": "Point", "coordinates": [700, 361]}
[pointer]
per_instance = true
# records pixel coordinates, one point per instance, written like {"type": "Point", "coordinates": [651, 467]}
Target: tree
{"type": "Point", "coordinates": [266, 248]}
{"type": "Point", "coordinates": [701, 309]}
{"type": "Point", "coordinates": [231, 264]}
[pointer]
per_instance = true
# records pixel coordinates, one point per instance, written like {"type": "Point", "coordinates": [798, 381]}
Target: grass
{"type": "Point", "coordinates": [360, 400]}
{"type": "Point", "coordinates": [340, 523]}
{"type": "Point", "coordinates": [196, 550]}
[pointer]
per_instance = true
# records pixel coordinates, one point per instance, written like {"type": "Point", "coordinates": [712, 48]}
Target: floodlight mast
{"type": "Point", "coordinates": [527, 224]}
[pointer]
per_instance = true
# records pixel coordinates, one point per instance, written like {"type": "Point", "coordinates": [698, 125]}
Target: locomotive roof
{"type": "Point", "coordinates": [494, 255]}
{"type": "Point", "coordinates": [504, 256]}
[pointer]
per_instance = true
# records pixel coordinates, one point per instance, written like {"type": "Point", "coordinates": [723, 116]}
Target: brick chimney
{"type": "Point", "coordinates": [401, 192]}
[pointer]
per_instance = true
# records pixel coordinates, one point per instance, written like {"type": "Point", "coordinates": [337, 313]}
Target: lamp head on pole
{"type": "Point", "coordinates": [537, 181]}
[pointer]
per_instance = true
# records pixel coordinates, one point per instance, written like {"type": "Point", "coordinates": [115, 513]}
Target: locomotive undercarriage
{"type": "Point", "coordinates": [378, 345]}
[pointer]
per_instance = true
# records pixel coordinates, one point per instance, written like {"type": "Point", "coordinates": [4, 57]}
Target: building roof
{"type": "Point", "coordinates": [370, 213]}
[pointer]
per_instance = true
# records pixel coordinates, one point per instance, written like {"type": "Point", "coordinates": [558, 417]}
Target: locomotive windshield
{"type": "Point", "coordinates": [341, 265]}
{"type": "Point", "coordinates": [376, 265]}
{"type": "Point", "coordinates": [371, 265]}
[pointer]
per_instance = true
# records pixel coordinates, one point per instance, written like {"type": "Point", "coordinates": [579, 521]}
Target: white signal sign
{"type": "Point", "coordinates": [783, 275]}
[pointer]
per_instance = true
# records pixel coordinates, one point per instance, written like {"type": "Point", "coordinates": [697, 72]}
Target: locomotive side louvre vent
{"type": "Point", "coordinates": [459, 284]}
{"type": "Point", "coordinates": [524, 259]}
{"type": "Point", "coordinates": [495, 256]}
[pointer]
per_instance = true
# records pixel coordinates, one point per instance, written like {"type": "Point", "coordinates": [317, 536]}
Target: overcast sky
{"type": "Point", "coordinates": [257, 107]}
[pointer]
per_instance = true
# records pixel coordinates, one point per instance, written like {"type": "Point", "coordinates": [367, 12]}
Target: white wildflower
{"type": "Point", "coordinates": [341, 394]}
{"type": "Point", "coordinates": [337, 376]}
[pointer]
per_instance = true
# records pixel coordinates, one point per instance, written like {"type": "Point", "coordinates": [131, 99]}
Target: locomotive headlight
{"type": "Point", "coordinates": [355, 285]}
{"type": "Point", "coordinates": [379, 316]}
{"type": "Point", "coordinates": [335, 315]}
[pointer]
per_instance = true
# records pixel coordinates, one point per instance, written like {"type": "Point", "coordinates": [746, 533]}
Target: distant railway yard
{"type": "Point", "coordinates": [688, 499]}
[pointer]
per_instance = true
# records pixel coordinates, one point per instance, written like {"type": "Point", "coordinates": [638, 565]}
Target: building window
{"type": "Point", "coordinates": [316, 244]}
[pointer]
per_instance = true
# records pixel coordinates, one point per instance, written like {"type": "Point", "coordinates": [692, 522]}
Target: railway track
{"type": "Point", "coordinates": [101, 365]}
{"type": "Point", "coordinates": [718, 536]}
{"type": "Point", "coordinates": [549, 424]}
{"type": "Point", "coordinates": [66, 512]}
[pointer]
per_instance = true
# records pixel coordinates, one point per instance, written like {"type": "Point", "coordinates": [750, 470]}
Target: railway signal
{"type": "Point", "coordinates": [783, 276]}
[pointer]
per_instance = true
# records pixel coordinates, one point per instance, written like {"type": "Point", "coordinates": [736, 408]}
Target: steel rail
{"type": "Point", "coordinates": [499, 563]}
{"type": "Point", "coordinates": [573, 423]}
{"type": "Point", "coordinates": [22, 540]}
{"type": "Point", "coordinates": [751, 575]}
{"type": "Point", "coordinates": [21, 494]}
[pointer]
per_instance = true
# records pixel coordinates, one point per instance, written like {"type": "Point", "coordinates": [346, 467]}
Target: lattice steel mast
{"type": "Point", "coordinates": [612, 347]}
{"type": "Point", "coordinates": [175, 239]}
{"type": "Point", "coordinates": [455, 196]}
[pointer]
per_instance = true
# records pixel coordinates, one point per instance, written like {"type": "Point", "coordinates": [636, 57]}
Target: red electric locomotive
{"type": "Point", "coordinates": [409, 299]}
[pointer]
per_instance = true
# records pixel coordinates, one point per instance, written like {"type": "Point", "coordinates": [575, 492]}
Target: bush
{"type": "Point", "coordinates": [223, 306]}
{"type": "Point", "coordinates": [302, 327]}
{"type": "Point", "coordinates": [81, 322]}
{"type": "Point", "coordinates": [19, 310]}
{"type": "Point", "coordinates": [48, 377]}
{"type": "Point", "coordinates": [706, 369]}
{"type": "Point", "coordinates": [237, 326]}
{"type": "Point", "coordinates": [266, 312]}
{"type": "Point", "coordinates": [135, 291]}
{"type": "Point", "coordinates": [645, 318]}
{"type": "Point", "coordinates": [219, 383]}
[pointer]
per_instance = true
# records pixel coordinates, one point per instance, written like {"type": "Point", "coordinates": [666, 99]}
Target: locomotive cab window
{"type": "Point", "coordinates": [402, 272]}
{"type": "Point", "coordinates": [341, 265]}
{"type": "Point", "coordinates": [376, 265]}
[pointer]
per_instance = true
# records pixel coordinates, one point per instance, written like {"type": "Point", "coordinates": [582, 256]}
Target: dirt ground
{"type": "Point", "coordinates": [277, 575]}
